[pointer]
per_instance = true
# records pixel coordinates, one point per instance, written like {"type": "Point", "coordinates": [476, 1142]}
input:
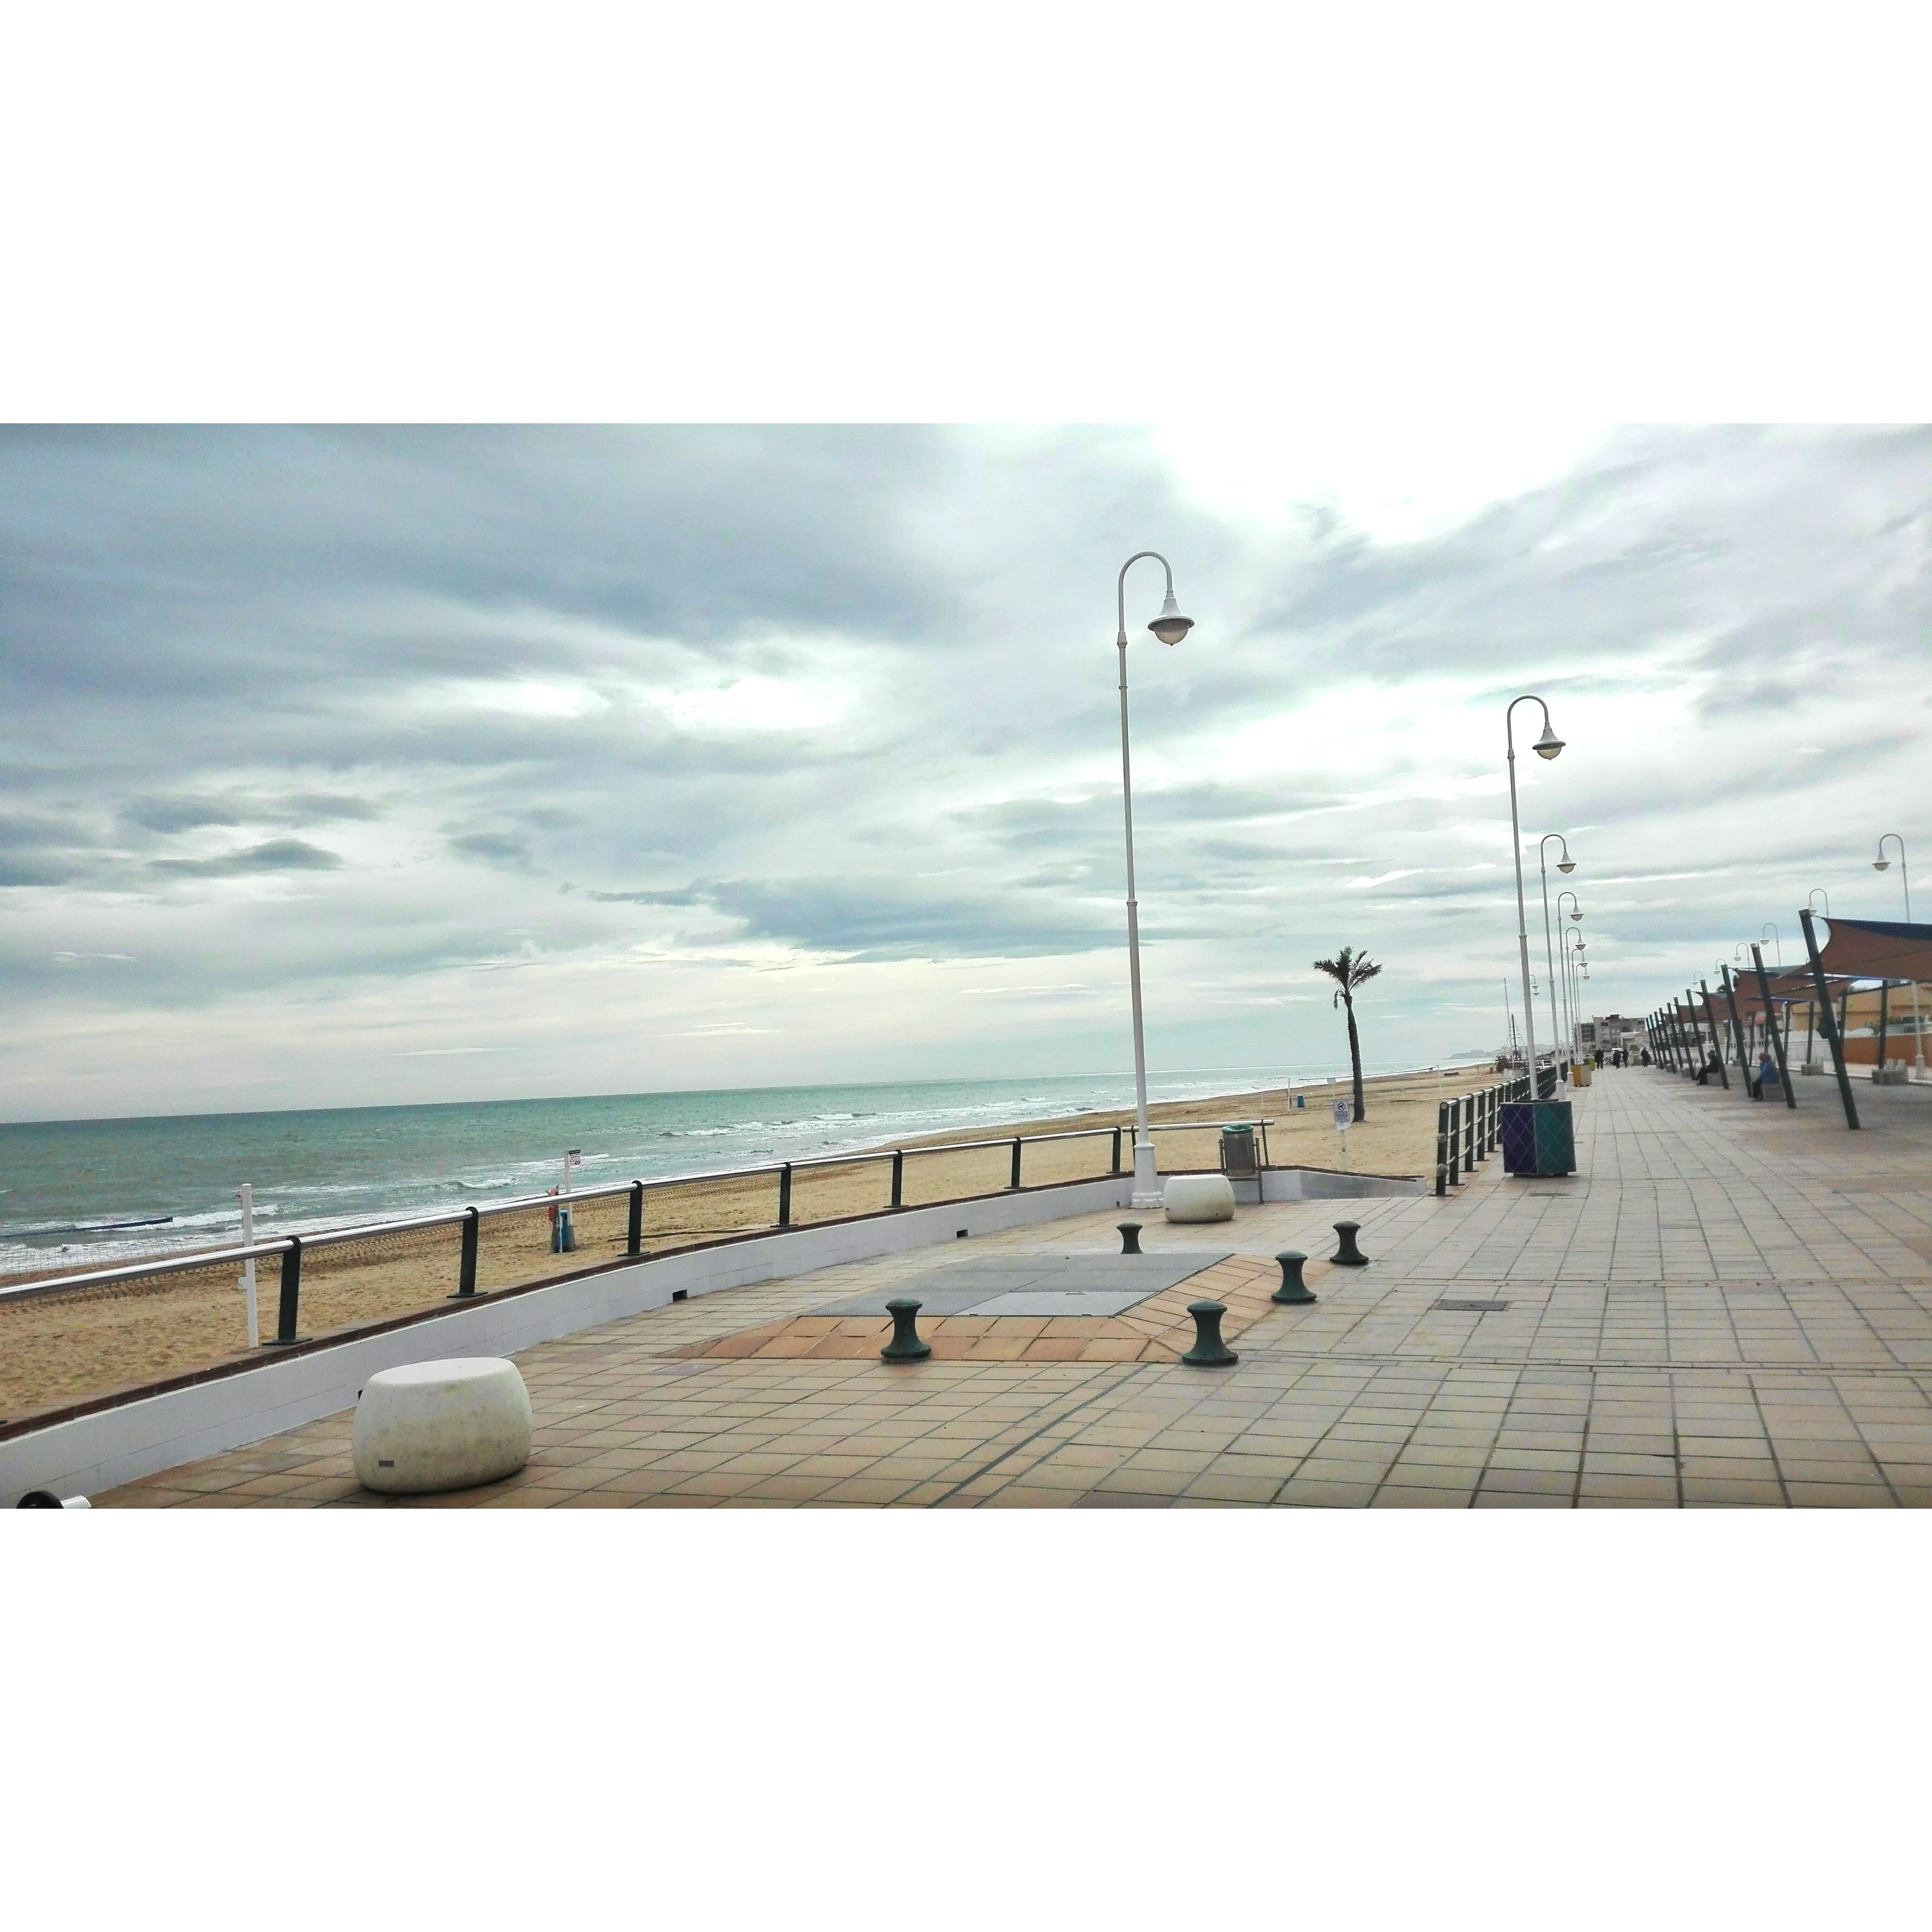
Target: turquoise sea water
{"type": "Point", "coordinates": [66, 1183]}
{"type": "Point", "coordinates": [63, 1184]}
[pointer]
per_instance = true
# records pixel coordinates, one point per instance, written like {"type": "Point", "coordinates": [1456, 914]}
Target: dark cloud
{"type": "Point", "coordinates": [874, 920]}
{"type": "Point", "coordinates": [497, 848]}
{"type": "Point", "coordinates": [272, 855]}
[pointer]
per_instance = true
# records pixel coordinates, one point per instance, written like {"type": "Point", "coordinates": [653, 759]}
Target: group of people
{"type": "Point", "coordinates": [1767, 1076]}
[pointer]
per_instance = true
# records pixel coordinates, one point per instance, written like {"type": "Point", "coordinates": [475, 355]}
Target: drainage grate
{"type": "Point", "coordinates": [1468, 1307]}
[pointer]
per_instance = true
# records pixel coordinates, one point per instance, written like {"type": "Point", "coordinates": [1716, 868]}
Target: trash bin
{"type": "Point", "coordinates": [1579, 1074]}
{"type": "Point", "coordinates": [1240, 1160]}
{"type": "Point", "coordinates": [1537, 1138]}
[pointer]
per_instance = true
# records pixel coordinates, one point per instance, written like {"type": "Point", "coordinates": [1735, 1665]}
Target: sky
{"type": "Point", "coordinates": [349, 766]}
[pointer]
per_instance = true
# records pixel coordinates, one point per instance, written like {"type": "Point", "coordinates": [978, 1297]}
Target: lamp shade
{"type": "Point", "coordinates": [1566, 865]}
{"type": "Point", "coordinates": [1879, 865]}
{"type": "Point", "coordinates": [1170, 627]}
{"type": "Point", "coordinates": [1549, 745]}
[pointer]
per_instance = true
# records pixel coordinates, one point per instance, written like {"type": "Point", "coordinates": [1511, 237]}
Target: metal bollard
{"type": "Point", "coordinates": [46, 1499]}
{"type": "Point", "coordinates": [1442, 1147]}
{"type": "Point", "coordinates": [1130, 1237]}
{"type": "Point", "coordinates": [1209, 1350]}
{"type": "Point", "coordinates": [1016, 1180]}
{"type": "Point", "coordinates": [898, 1178]}
{"type": "Point", "coordinates": [784, 1195]}
{"type": "Point", "coordinates": [290, 1309]}
{"type": "Point", "coordinates": [1348, 1254]}
{"type": "Point", "coordinates": [634, 1235]}
{"type": "Point", "coordinates": [905, 1346]}
{"type": "Point", "coordinates": [1117, 1149]}
{"type": "Point", "coordinates": [1293, 1291]}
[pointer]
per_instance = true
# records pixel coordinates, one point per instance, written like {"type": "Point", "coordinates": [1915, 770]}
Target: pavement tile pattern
{"type": "Point", "coordinates": [1730, 1305]}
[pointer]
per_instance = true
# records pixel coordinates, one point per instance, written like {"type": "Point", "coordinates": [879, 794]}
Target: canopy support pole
{"type": "Point", "coordinates": [1833, 1039]}
{"type": "Point", "coordinates": [1780, 1047]}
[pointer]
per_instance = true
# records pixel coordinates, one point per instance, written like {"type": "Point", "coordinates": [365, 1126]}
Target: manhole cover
{"type": "Point", "coordinates": [1468, 1307]}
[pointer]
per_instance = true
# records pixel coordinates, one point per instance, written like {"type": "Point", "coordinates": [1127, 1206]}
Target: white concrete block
{"type": "Point", "coordinates": [1199, 1197]}
{"type": "Point", "coordinates": [450, 1425]}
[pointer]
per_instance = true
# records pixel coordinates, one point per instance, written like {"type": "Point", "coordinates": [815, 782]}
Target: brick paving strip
{"type": "Point", "coordinates": [1730, 1305]}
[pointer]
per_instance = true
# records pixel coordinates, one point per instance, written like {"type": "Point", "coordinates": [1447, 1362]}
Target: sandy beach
{"type": "Point", "coordinates": [58, 1349]}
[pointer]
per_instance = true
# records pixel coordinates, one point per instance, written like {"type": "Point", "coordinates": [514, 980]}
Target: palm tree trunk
{"type": "Point", "coordinates": [1355, 1059]}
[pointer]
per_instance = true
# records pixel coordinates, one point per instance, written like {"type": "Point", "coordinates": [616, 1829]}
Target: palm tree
{"type": "Point", "coordinates": [1348, 973]}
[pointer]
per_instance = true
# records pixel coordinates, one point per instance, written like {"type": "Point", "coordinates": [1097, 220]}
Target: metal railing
{"type": "Point", "coordinates": [290, 1249]}
{"type": "Point", "coordinates": [1469, 1129]}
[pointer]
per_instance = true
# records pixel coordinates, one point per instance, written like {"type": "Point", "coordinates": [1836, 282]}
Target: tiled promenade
{"type": "Point", "coordinates": [1730, 1304]}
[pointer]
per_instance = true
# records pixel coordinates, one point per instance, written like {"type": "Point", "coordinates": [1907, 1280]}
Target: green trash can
{"type": "Point", "coordinates": [1537, 1138]}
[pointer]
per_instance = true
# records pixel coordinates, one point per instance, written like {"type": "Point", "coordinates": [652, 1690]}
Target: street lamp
{"type": "Point", "coordinates": [1547, 746]}
{"type": "Point", "coordinates": [1565, 864]}
{"type": "Point", "coordinates": [1576, 913]}
{"type": "Point", "coordinates": [1777, 940]}
{"type": "Point", "coordinates": [1170, 627]}
{"type": "Point", "coordinates": [1879, 864]}
{"type": "Point", "coordinates": [1820, 892]}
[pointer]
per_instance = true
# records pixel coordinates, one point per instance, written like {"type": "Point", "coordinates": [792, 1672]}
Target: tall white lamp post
{"type": "Point", "coordinates": [1879, 864]}
{"type": "Point", "coordinates": [1170, 627]}
{"type": "Point", "coordinates": [1576, 1030]}
{"type": "Point", "coordinates": [1565, 864]}
{"type": "Point", "coordinates": [1547, 746]}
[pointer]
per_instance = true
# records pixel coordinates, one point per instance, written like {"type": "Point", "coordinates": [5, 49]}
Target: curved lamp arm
{"type": "Point", "coordinates": [1121, 587]}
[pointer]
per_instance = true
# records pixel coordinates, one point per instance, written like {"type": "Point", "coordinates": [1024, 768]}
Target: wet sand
{"type": "Point", "coordinates": [58, 1349]}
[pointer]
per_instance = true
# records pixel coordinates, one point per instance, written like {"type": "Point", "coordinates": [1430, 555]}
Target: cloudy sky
{"type": "Point", "coordinates": [347, 767]}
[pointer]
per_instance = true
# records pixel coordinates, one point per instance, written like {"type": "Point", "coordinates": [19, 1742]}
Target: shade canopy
{"type": "Point", "coordinates": [1877, 948]}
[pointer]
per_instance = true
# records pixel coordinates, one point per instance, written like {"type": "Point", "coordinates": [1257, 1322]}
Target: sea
{"type": "Point", "coordinates": [87, 1194]}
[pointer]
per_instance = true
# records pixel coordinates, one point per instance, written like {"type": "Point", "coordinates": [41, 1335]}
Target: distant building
{"type": "Point", "coordinates": [1610, 1031]}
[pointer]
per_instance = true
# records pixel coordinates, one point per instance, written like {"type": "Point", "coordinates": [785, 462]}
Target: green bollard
{"type": "Point", "coordinates": [1130, 1237]}
{"type": "Point", "coordinates": [905, 1346]}
{"type": "Point", "coordinates": [1293, 1291]}
{"type": "Point", "coordinates": [1209, 1350]}
{"type": "Point", "coordinates": [1348, 1254]}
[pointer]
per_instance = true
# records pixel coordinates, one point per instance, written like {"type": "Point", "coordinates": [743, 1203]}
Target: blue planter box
{"type": "Point", "coordinates": [1537, 1138]}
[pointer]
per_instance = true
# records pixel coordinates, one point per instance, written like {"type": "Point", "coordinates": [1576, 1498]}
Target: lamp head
{"type": "Point", "coordinates": [1566, 864]}
{"type": "Point", "coordinates": [1549, 745]}
{"type": "Point", "coordinates": [1576, 915]}
{"type": "Point", "coordinates": [1170, 627]}
{"type": "Point", "coordinates": [1879, 865]}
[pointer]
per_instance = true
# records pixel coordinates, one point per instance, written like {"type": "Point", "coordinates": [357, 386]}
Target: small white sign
{"type": "Point", "coordinates": [1345, 1116]}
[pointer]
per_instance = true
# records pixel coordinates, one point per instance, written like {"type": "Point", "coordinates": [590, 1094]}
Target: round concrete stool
{"type": "Point", "coordinates": [1199, 1197]}
{"type": "Point", "coordinates": [434, 1426]}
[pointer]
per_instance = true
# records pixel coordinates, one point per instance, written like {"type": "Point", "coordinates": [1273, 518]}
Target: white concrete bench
{"type": "Point", "coordinates": [1198, 1197]}
{"type": "Point", "coordinates": [432, 1425]}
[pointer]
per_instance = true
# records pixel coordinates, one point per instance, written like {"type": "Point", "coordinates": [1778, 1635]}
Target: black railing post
{"type": "Point", "coordinates": [466, 1268]}
{"type": "Point", "coordinates": [1441, 1147]}
{"type": "Point", "coordinates": [1468, 1112]}
{"type": "Point", "coordinates": [634, 1235]}
{"type": "Point", "coordinates": [1450, 1168]}
{"type": "Point", "coordinates": [287, 1316]}
{"type": "Point", "coordinates": [898, 1178]}
{"type": "Point", "coordinates": [784, 1195]}
{"type": "Point", "coordinates": [1117, 1149]}
{"type": "Point", "coordinates": [1834, 1037]}
{"type": "Point", "coordinates": [1015, 1181]}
